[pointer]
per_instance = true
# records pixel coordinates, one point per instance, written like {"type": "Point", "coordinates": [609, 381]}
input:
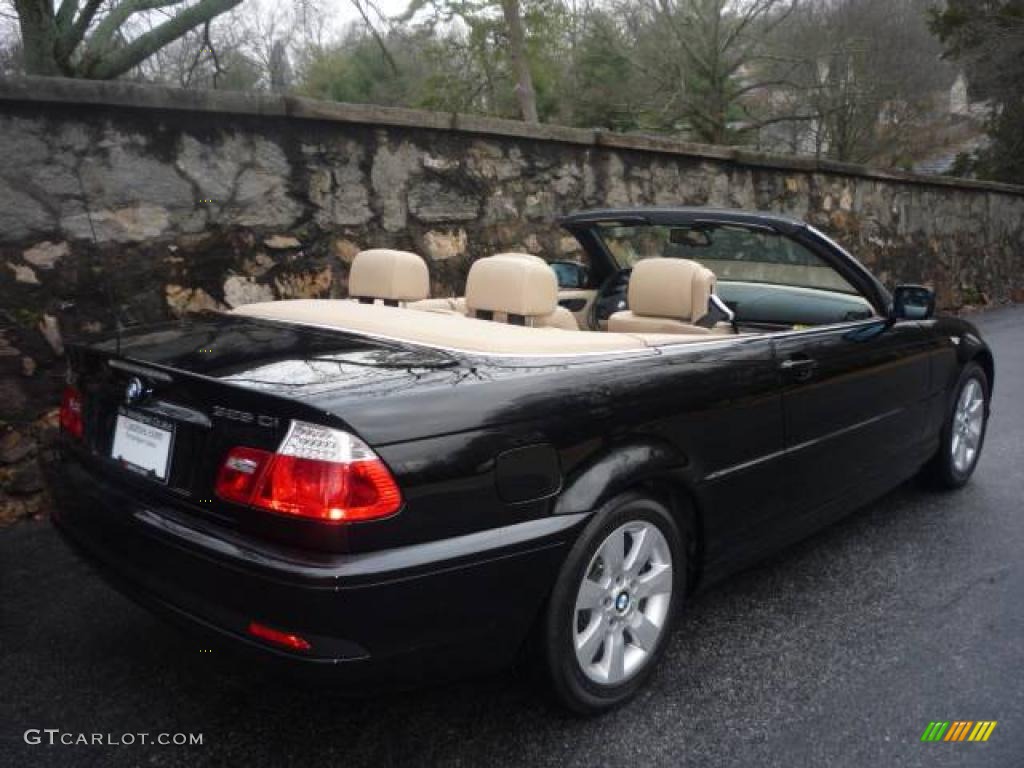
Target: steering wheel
{"type": "Point", "coordinates": [611, 297]}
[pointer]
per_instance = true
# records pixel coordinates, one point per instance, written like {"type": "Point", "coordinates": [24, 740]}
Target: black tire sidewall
{"type": "Point", "coordinates": [570, 684]}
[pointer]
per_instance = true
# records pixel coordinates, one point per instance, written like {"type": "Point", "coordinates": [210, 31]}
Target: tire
{"type": "Point", "coordinates": [962, 437]}
{"type": "Point", "coordinates": [620, 638]}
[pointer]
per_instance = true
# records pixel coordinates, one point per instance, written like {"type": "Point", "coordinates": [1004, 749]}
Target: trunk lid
{"type": "Point", "coordinates": [200, 387]}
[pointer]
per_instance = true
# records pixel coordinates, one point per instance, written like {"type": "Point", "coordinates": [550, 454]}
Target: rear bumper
{"type": "Point", "coordinates": [414, 613]}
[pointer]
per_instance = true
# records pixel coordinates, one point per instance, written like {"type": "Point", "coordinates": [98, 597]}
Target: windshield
{"type": "Point", "coordinates": [734, 253]}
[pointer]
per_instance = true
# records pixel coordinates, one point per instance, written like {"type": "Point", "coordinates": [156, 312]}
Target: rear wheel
{"type": "Point", "coordinates": [963, 433]}
{"type": "Point", "coordinates": [614, 603]}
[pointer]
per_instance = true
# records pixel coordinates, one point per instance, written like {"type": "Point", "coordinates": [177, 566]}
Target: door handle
{"type": "Point", "coordinates": [799, 367]}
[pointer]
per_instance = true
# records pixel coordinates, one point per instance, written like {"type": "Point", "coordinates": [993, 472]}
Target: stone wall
{"type": "Point", "coordinates": [157, 201]}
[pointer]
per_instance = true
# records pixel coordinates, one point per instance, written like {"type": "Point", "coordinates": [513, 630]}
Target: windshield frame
{"type": "Point", "coordinates": [584, 227]}
{"type": "Point", "coordinates": [628, 245]}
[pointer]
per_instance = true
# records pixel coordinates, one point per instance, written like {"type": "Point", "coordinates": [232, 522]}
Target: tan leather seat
{"type": "Point", "coordinates": [515, 290]}
{"type": "Point", "coordinates": [666, 296]}
{"type": "Point", "coordinates": [393, 277]}
{"type": "Point", "coordinates": [522, 256]}
{"type": "Point", "coordinates": [450, 306]}
{"type": "Point", "coordinates": [560, 317]}
{"type": "Point", "coordinates": [457, 305]}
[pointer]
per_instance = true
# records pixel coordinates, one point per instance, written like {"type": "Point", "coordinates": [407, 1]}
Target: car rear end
{"type": "Point", "coordinates": [199, 470]}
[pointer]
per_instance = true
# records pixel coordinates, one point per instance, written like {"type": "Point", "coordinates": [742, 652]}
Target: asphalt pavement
{"type": "Point", "coordinates": [836, 652]}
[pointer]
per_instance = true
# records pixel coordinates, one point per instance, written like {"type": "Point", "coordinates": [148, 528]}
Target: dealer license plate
{"type": "Point", "coordinates": [143, 446]}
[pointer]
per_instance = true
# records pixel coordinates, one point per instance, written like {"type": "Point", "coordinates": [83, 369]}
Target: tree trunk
{"type": "Point", "coordinates": [520, 65]}
{"type": "Point", "coordinates": [38, 36]}
{"type": "Point", "coordinates": [48, 46]}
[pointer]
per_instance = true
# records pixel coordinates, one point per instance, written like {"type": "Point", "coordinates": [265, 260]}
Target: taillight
{"type": "Point", "coordinates": [71, 412]}
{"type": "Point", "coordinates": [238, 474]}
{"type": "Point", "coordinates": [317, 472]}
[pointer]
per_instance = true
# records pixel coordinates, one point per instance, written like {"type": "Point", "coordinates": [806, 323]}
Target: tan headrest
{"type": "Point", "coordinates": [521, 256]}
{"type": "Point", "coordinates": [381, 273]}
{"type": "Point", "coordinates": [514, 286]}
{"type": "Point", "coordinates": [675, 288]}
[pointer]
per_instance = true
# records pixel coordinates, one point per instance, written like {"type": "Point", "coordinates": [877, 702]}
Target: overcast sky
{"type": "Point", "coordinates": [343, 11]}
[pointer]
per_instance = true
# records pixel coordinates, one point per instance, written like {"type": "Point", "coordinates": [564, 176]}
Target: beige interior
{"type": "Point", "coordinates": [521, 256]}
{"type": "Point", "coordinates": [452, 331]}
{"type": "Point", "coordinates": [390, 276]}
{"type": "Point", "coordinates": [449, 306]}
{"type": "Point", "coordinates": [587, 295]}
{"type": "Point", "coordinates": [512, 286]}
{"type": "Point", "coordinates": [666, 296]}
{"type": "Point", "coordinates": [560, 317]}
{"type": "Point", "coordinates": [516, 288]}
{"type": "Point", "coordinates": [510, 308]}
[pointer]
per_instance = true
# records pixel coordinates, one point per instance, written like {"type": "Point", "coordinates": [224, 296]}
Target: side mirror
{"type": "Point", "coordinates": [570, 274]}
{"type": "Point", "coordinates": [912, 302]}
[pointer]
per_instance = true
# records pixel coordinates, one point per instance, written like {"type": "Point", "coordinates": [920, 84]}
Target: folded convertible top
{"type": "Point", "coordinates": [456, 332]}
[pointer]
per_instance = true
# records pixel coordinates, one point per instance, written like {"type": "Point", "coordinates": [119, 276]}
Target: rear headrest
{"type": "Point", "coordinates": [673, 288]}
{"type": "Point", "coordinates": [521, 256]}
{"type": "Point", "coordinates": [515, 286]}
{"type": "Point", "coordinates": [381, 273]}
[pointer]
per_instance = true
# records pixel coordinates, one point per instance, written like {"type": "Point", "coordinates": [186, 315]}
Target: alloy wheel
{"type": "Point", "coordinates": [968, 422]}
{"type": "Point", "coordinates": [622, 603]}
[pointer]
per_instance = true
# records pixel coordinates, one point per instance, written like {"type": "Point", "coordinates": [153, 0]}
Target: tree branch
{"type": "Point", "coordinates": [100, 39]}
{"type": "Point", "coordinates": [218, 70]}
{"type": "Point", "coordinates": [69, 38]}
{"type": "Point", "coordinates": [65, 15]}
{"type": "Point", "coordinates": [120, 61]}
{"type": "Point", "coordinates": [376, 36]}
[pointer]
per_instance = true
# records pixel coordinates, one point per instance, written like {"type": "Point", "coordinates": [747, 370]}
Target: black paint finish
{"type": "Point", "coordinates": [763, 439]}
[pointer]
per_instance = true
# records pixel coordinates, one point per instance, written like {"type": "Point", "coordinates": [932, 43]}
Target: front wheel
{"type": "Point", "coordinates": [613, 605]}
{"type": "Point", "coordinates": [963, 432]}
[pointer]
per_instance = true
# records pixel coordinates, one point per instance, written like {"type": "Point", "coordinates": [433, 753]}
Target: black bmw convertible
{"type": "Point", "coordinates": [395, 487]}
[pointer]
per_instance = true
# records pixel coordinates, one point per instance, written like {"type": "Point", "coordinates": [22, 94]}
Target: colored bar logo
{"type": "Point", "coordinates": [958, 730]}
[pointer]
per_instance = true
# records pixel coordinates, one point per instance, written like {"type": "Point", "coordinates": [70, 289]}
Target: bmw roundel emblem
{"type": "Point", "coordinates": [135, 391]}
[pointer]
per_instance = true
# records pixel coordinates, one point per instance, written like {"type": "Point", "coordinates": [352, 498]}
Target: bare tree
{"type": "Point", "coordinates": [520, 64]}
{"type": "Point", "coordinates": [363, 8]}
{"type": "Point", "coordinates": [703, 58]}
{"type": "Point", "coordinates": [93, 38]}
{"type": "Point", "coordinates": [863, 74]}
{"type": "Point", "coordinates": [486, 31]}
{"type": "Point", "coordinates": [252, 48]}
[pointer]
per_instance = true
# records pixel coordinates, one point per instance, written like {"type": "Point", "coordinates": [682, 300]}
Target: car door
{"type": "Point", "coordinates": [727, 417]}
{"type": "Point", "coordinates": [854, 411]}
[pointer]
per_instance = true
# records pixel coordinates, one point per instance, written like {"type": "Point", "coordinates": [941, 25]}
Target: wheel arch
{"type": "Point", "coordinates": [687, 508]}
{"type": "Point", "coordinates": [652, 466]}
{"type": "Point", "coordinates": [973, 349]}
{"type": "Point", "coordinates": [984, 358]}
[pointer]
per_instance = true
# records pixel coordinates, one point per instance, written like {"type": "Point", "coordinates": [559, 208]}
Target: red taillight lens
{"type": "Point", "coordinates": [239, 473]}
{"type": "Point", "coordinates": [318, 473]}
{"type": "Point", "coordinates": [326, 490]}
{"type": "Point", "coordinates": [277, 637]}
{"type": "Point", "coordinates": [71, 412]}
